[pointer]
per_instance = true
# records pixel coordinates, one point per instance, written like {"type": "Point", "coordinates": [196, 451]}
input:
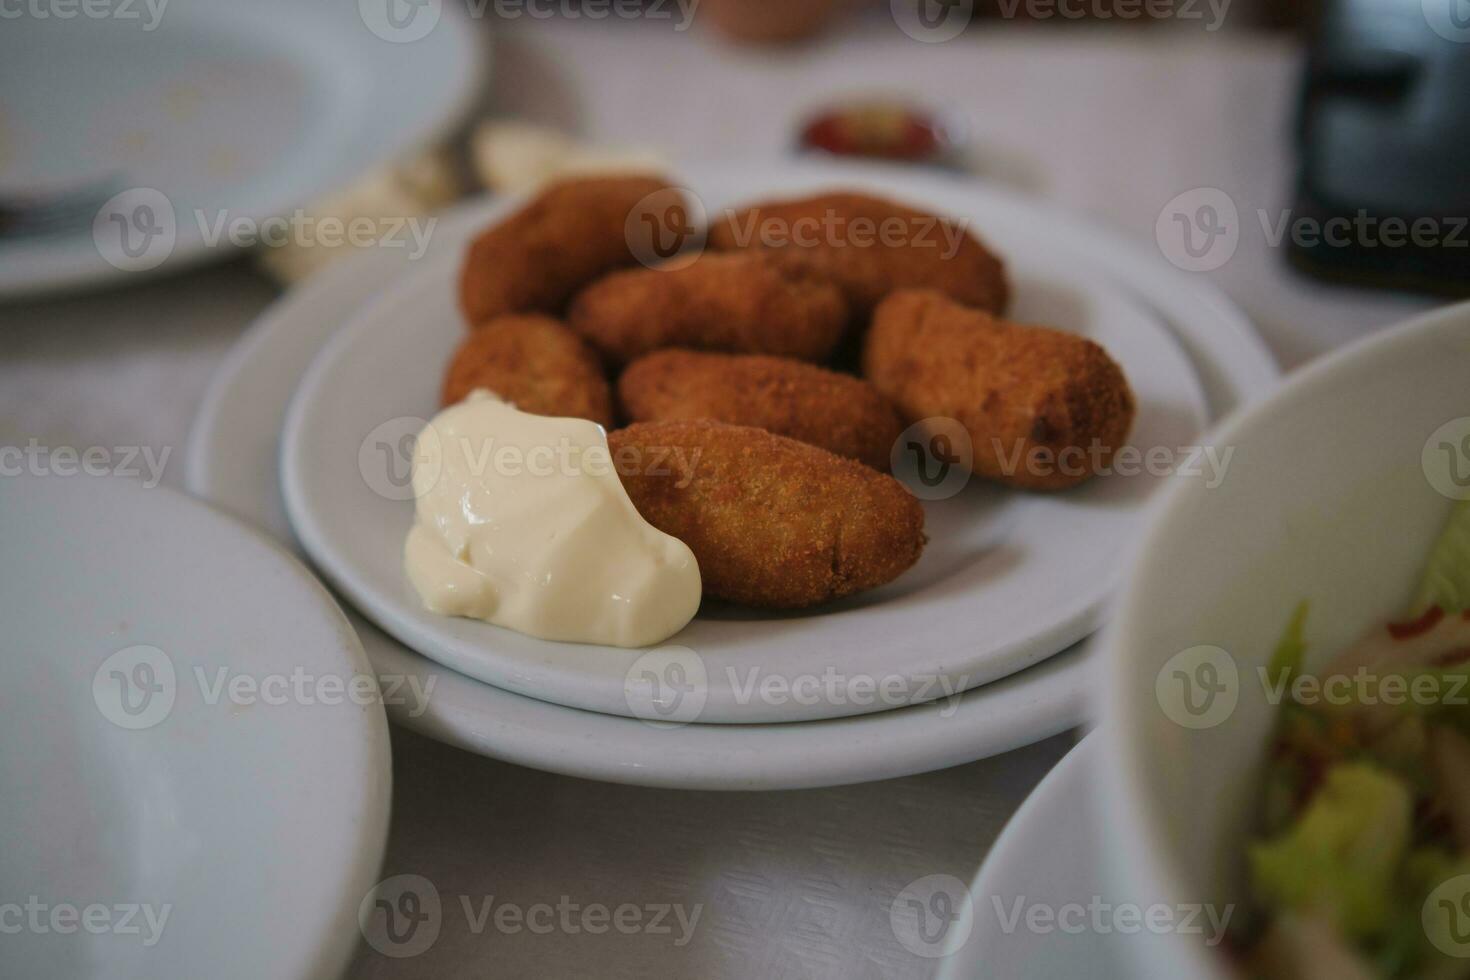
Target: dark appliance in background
{"type": "Point", "coordinates": [1384, 145]}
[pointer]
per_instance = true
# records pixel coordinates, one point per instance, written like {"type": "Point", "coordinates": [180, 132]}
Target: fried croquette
{"type": "Point", "coordinates": [1045, 410]}
{"type": "Point", "coordinates": [773, 522]}
{"type": "Point", "coordinates": [872, 247]}
{"type": "Point", "coordinates": [744, 303]}
{"type": "Point", "coordinates": [840, 413]}
{"type": "Point", "coordinates": [567, 235]}
{"type": "Point", "coordinates": [536, 364]}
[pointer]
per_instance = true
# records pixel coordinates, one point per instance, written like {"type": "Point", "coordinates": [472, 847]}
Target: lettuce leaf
{"type": "Point", "coordinates": [1446, 582]}
{"type": "Point", "coordinates": [1286, 659]}
{"type": "Point", "coordinates": [1340, 858]}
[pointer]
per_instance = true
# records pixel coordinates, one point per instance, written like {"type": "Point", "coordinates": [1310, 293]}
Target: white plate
{"type": "Point", "coordinates": [232, 460]}
{"type": "Point", "coordinates": [1007, 579]}
{"type": "Point", "coordinates": [240, 110]}
{"type": "Point", "coordinates": [1047, 859]}
{"type": "Point", "coordinates": [254, 821]}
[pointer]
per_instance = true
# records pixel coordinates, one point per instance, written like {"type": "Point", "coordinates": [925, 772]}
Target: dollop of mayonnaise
{"type": "Point", "coordinates": [521, 521]}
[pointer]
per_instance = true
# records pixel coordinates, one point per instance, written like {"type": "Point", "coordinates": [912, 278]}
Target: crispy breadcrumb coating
{"type": "Point", "coordinates": [773, 522]}
{"type": "Point", "coordinates": [569, 234]}
{"type": "Point", "coordinates": [1044, 409]}
{"type": "Point", "coordinates": [536, 364]}
{"type": "Point", "coordinates": [872, 247]}
{"type": "Point", "coordinates": [742, 303]}
{"type": "Point", "coordinates": [840, 413]}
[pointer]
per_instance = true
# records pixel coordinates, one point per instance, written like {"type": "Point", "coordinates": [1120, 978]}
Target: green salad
{"type": "Point", "coordinates": [1364, 831]}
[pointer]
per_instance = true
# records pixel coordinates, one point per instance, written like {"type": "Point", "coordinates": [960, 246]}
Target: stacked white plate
{"type": "Point", "coordinates": [978, 648]}
{"type": "Point", "coordinates": [153, 133]}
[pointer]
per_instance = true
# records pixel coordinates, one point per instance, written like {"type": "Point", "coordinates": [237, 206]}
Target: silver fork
{"type": "Point", "coordinates": [27, 215]}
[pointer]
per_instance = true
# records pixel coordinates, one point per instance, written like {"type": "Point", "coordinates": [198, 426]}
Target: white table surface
{"type": "Point", "coordinates": [793, 884]}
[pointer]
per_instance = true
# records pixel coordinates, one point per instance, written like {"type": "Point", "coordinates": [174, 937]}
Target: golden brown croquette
{"type": "Point", "coordinates": [536, 364]}
{"type": "Point", "coordinates": [872, 247]}
{"type": "Point", "coordinates": [840, 413]}
{"type": "Point", "coordinates": [745, 303]}
{"type": "Point", "coordinates": [773, 522]}
{"type": "Point", "coordinates": [566, 236]}
{"type": "Point", "coordinates": [1044, 409]}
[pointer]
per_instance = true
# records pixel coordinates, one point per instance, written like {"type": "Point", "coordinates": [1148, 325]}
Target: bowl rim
{"type": "Point", "coordinates": [1131, 823]}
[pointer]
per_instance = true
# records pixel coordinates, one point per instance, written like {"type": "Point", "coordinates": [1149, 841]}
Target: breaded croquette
{"type": "Point", "coordinates": [872, 247]}
{"type": "Point", "coordinates": [1044, 409]}
{"type": "Point", "coordinates": [536, 364]}
{"type": "Point", "coordinates": [747, 303]}
{"type": "Point", "coordinates": [566, 236]}
{"type": "Point", "coordinates": [773, 522]}
{"type": "Point", "coordinates": [840, 413]}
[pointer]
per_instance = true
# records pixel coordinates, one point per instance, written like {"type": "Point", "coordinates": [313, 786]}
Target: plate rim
{"type": "Point", "coordinates": [1071, 775]}
{"type": "Point", "coordinates": [365, 804]}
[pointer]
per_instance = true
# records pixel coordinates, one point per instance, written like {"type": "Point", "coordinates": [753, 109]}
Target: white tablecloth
{"type": "Point", "coordinates": [794, 884]}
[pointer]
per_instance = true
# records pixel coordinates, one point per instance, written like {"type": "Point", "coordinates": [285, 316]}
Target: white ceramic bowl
{"type": "Point", "coordinates": [1330, 497]}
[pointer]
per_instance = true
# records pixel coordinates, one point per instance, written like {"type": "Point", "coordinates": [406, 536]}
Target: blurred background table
{"type": "Point", "coordinates": [1111, 123]}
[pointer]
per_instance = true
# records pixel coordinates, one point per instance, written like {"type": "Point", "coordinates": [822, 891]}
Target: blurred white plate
{"type": "Point", "coordinates": [1007, 579]}
{"type": "Point", "coordinates": [1046, 858]}
{"type": "Point", "coordinates": [211, 110]}
{"type": "Point", "coordinates": [163, 769]}
{"type": "Point", "coordinates": [233, 461]}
